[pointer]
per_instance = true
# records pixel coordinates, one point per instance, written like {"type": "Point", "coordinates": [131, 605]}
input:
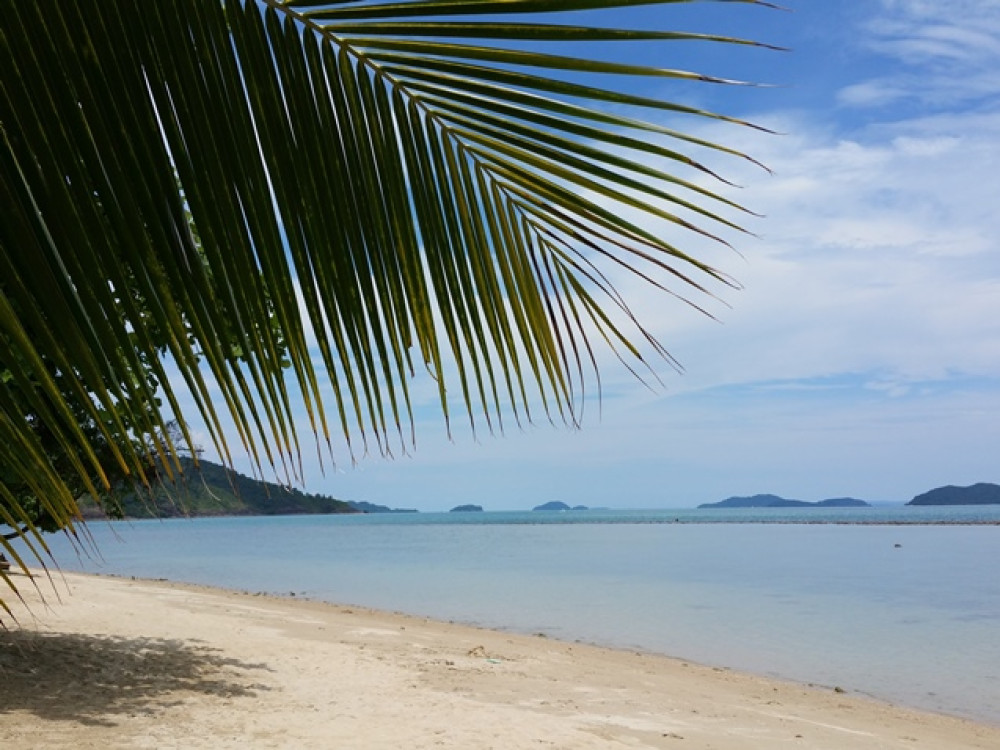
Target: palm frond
{"type": "Point", "coordinates": [227, 189]}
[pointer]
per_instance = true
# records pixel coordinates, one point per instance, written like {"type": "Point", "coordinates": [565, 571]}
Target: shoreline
{"type": "Point", "coordinates": [115, 662]}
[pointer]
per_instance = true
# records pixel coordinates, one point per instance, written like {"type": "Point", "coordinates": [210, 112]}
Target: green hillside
{"type": "Point", "coordinates": [773, 501]}
{"type": "Point", "coordinates": [982, 493]}
{"type": "Point", "coordinates": [212, 490]}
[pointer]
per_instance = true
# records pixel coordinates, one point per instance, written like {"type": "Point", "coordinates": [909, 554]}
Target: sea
{"type": "Point", "coordinates": [897, 603]}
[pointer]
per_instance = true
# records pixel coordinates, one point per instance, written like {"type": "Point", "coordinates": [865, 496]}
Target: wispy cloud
{"type": "Point", "coordinates": [878, 254]}
{"type": "Point", "coordinates": [862, 355]}
{"type": "Point", "coordinates": [934, 52]}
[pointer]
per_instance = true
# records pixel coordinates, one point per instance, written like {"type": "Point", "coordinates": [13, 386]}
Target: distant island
{"type": "Point", "coordinates": [363, 507]}
{"type": "Point", "coordinates": [982, 493]}
{"type": "Point", "coordinates": [556, 505]}
{"type": "Point", "coordinates": [773, 501]}
{"type": "Point", "coordinates": [210, 489]}
{"type": "Point", "coordinates": [467, 509]}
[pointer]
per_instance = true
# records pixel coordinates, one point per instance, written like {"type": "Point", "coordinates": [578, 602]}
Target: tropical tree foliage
{"type": "Point", "coordinates": [380, 187]}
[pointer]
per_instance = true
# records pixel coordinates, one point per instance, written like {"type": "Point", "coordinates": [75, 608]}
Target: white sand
{"type": "Point", "coordinates": [138, 664]}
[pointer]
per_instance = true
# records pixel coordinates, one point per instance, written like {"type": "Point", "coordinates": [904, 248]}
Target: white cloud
{"type": "Point", "coordinates": [879, 253]}
{"type": "Point", "coordinates": [862, 356]}
{"type": "Point", "coordinates": [935, 52]}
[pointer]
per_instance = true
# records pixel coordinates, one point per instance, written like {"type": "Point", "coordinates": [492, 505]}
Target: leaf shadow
{"type": "Point", "coordinates": [91, 679]}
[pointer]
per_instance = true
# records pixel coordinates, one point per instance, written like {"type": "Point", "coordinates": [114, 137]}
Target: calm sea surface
{"type": "Point", "coordinates": [898, 603]}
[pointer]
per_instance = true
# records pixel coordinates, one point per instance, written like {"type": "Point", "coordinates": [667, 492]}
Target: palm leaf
{"type": "Point", "coordinates": [202, 197]}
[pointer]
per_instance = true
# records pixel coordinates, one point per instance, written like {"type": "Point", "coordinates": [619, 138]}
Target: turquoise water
{"type": "Point", "coordinates": [898, 603]}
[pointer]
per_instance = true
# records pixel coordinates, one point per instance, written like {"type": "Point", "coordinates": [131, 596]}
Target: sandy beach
{"type": "Point", "coordinates": [115, 663]}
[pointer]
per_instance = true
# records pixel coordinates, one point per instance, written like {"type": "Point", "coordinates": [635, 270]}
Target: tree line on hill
{"type": "Point", "coordinates": [210, 489]}
{"type": "Point", "coordinates": [982, 493]}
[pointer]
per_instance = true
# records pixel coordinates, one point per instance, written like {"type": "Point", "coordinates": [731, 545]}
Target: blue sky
{"type": "Point", "coordinates": [862, 355]}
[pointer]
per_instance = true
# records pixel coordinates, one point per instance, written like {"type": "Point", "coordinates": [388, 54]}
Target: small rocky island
{"type": "Point", "coordinates": [773, 501]}
{"type": "Point", "coordinates": [467, 509]}
{"type": "Point", "coordinates": [982, 493]}
{"type": "Point", "coordinates": [557, 505]}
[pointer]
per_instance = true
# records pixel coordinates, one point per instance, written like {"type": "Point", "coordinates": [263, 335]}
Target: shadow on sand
{"type": "Point", "coordinates": [93, 679]}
